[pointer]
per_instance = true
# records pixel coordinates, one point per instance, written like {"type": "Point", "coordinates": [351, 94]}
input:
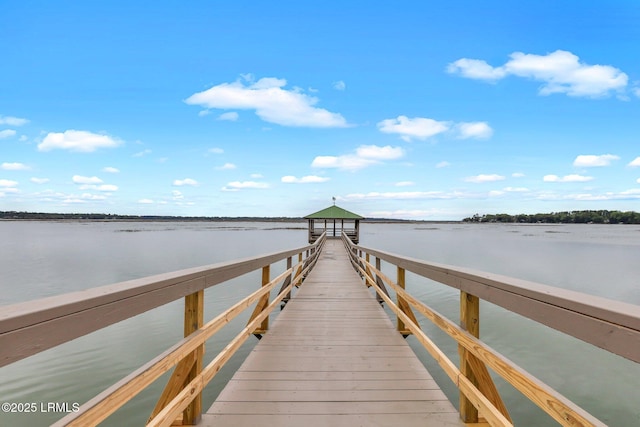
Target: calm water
{"type": "Point", "coordinates": [39, 259]}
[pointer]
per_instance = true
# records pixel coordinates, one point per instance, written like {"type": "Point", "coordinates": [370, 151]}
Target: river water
{"type": "Point", "coordinates": [39, 259]}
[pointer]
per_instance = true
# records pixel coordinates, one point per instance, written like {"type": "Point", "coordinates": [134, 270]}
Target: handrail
{"type": "Point", "coordinates": [608, 324]}
{"type": "Point", "coordinates": [511, 294]}
{"type": "Point", "coordinates": [120, 301]}
{"type": "Point", "coordinates": [31, 327]}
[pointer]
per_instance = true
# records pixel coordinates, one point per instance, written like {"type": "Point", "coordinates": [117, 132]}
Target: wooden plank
{"type": "Point", "coordinates": [392, 384]}
{"type": "Point", "coordinates": [332, 408]}
{"type": "Point", "coordinates": [365, 351]}
{"type": "Point", "coordinates": [338, 420]}
{"type": "Point", "coordinates": [332, 356]}
{"type": "Point", "coordinates": [262, 303]}
{"type": "Point", "coordinates": [320, 340]}
{"type": "Point", "coordinates": [337, 364]}
{"type": "Point", "coordinates": [302, 348]}
{"type": "Point", "coordinates": [176, 383]}
{"type": "Point", "coordinates": [380, 395]}
{"type": "Point", "coordinates": [469, 321]}
{"type": "Point", "coordinates": [193, 320]}
{"type": "Point", "coordinates": [331, 376]}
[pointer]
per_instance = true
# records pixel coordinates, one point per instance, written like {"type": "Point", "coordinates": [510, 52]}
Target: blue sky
{"type": "Point", "coordinates": [416, 110]}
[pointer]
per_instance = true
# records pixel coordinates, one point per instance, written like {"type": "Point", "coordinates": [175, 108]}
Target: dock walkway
{"type": "Point", "coordinates": [332, 358]}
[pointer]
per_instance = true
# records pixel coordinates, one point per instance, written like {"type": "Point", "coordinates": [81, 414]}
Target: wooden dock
{"type": "Point", "coordinates": [332, 357]}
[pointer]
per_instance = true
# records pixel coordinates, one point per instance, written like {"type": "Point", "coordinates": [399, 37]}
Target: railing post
{"type": "Point", "coordinates": [404, 306]}
{"type": "Point", "coordinates": [193, 320]}
{"type": "Point", "coordinates": [367, 270]}
{"type": "Point", "coordinates": [263, 302]}
{"type": "Point", "coordinates": [266, 273]}
{"type": "Point", "coordinates": [298, 271]}
{"type": "Point", "coordinates": [401, 283]}
{"type": "Point", "coordinates": [379, 281]}
{"type": "Point", "coordinates": [289, 264]}
{"type": "Point", "coordinates": [469, 321]}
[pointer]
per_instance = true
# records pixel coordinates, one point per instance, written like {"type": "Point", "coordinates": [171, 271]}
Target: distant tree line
{"type": "Point", "coordinates": [572, 217]}
{"type": "Point", "coordinates": [42, 216]}
{"type": "Point", "coordinates": [45, 216]}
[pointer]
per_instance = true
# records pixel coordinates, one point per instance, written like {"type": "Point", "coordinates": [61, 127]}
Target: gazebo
{"type": "Point", "coordinates": [333, 220]}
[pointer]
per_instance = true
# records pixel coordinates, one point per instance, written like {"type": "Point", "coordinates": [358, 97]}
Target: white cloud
{"type": "Point", "coordinates": [15, 166]}
{"type": "Point", "coordinates": [8, 190]}
{"type": "Point", "coordinates": [633, 194]}
{"type": "Point", "coordinates": [226, 166]}
{"type": "Point", "coordinates": [339, 85]}
{"type": "Point", "coordinates": [588, 160]}
{"type": "Point", "coordinates": [8, 183]}
{"type": "Point", "coordinates": [417, 127]}
{"type": "Point", "coordinates": [560, 72]}
{"type": "Point", "coordinates": [347, 162]}
{"type": "Point", "coordinates": [404, 184]}
{"type": "Point", "coordinates": [480, 130]}
{"type": "Point", "coordinates": [270, 101]}
{"type": "Point", "coordinates": [77, 140]}
{"type": "Point", "coordinates": [478, 179]}
{"type": "Point", "coordinates": [8, 186]}
{"type": "Point", "coordinates": [186, 181]}
{"type": "Point", "coordinates": [476, 69]}
{"type": "Point", "coordinates": [567, 178]}
{"type": "Point", "coordinates": [93, 183]}
{"type": "Point", "coordinates": [73, 200]}
{"type": "Point", "coordinates": [39, 180]}
{"type": "Point", "coordinates": [516, 189]}
{"type": "Point", "coordinates": [142, 153]}
{"type": "Point", "coordinates": [404, 213]}
{"type": "Point", "coordinates": [177, 195]}
{"type": "Point", "coordinates": [106, 187]}
{"type": "Point", "coordinates": [635, 162]}
{"type": "Point", "coordinates": [12, 121]}
{"type": "Point", "coordinates": [237, 185]}
{"type": "Point", "coordinates": [216, 150]}
{"type": "Point", "coordinates": [379, 153]}
{"type": "Point", "coordinates": [89, 196]}
{"type": "Point", "coordinates": [401, 195]}
{"type": "Point", "coordinates": [443, 164]}
{"type": "Point", "coordinates": [290, 179]}
{"type": "Point", "coordinates": [7, 133]}
{"type": "Point", "coordinates": [231, 116]}
{"type": "Point", "coordinates": [110, 169]}
{"type": "Point", "coordinates": [518, 175]}
{"type": "Point", "coordinates": [146, 201]}
{"type": "Point", "coordinates": [366, 155]}
{"type": "Point", "coordinates": [256, 175]}
{"type": "Point", "coordinates": [78, 179]}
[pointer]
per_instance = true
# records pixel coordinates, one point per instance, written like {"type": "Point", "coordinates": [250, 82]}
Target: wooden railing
{"type": "Point", "coordinates": [611, 325]}
{"type": "Point", "coordinates": [31, 327]}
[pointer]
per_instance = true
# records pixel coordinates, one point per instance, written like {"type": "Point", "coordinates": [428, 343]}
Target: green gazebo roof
{"type": "Point", "coordinates": [333, 212]}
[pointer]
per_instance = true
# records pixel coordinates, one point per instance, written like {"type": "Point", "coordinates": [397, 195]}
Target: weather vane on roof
{"type": "Point", "coordinates": [334, 201]}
